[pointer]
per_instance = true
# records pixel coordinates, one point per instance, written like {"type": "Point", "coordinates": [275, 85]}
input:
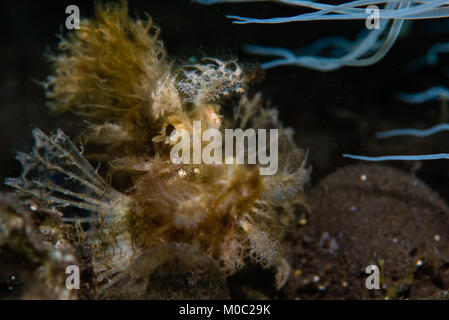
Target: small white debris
{"type": "Point", "coordinates": [60, 244]}
{"type": "Point", "coordinates": [363, 177]}
{"type": "Point", "coordinates": [182, 173]}
{"type": "Point", "coordinates": [436, 237]}
{"type": "Point", "coordinates": [322, 287]}
{"type": "Point", "coordinates": [69, 258]}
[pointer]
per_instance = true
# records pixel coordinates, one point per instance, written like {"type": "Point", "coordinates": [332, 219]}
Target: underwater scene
{"type": "Point", "coordinates": [224, 149]}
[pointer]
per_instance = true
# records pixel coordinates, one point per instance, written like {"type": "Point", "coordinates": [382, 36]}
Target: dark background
{"type": "Point", "coordinates": [332, 112]}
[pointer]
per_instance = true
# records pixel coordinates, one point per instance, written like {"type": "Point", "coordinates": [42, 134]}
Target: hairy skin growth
{"type": "Point", "coordinates": [114, 72]}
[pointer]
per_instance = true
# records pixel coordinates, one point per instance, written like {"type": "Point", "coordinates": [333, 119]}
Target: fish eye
{"type": "Point", "coordinates": [169, 129]}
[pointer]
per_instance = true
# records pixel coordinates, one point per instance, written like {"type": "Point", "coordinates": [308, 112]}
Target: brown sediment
{"type": "Point", "coordinates": [365, 215]}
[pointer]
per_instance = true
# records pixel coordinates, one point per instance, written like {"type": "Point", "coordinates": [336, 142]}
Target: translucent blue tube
{"type": "Point", "coordinates": [412, 132]}
{"type": "Point", "coordinates": [435, 156]}
{"type": "Point", "coordinates": [434, 93]}
{"type": "Point", "coordinates": [334, 44]}
{"type": "Point", "coordinates": [432, 55]}
{"type": "Point", "coordinates": [430, 59]}
{"type": "Point", "coordinates": [364, 51]}
{"type": "Point", "coordinates": [424, 9]}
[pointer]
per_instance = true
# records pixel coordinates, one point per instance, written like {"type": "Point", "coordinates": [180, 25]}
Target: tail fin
{"type": "Point", "coordinates": [57, 175]}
